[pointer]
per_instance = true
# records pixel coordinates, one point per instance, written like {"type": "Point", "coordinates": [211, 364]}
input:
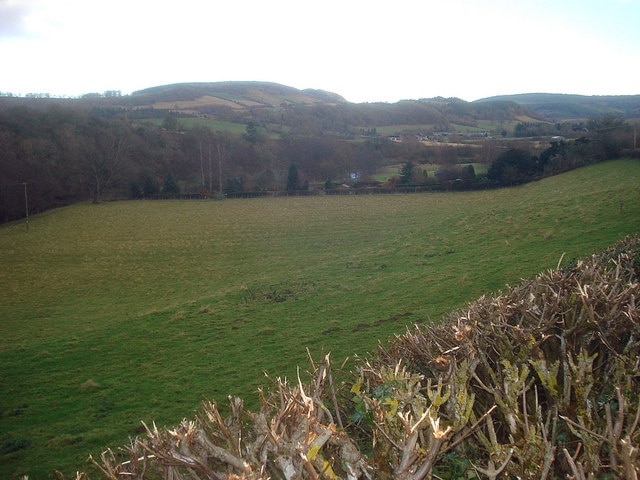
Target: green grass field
{"type": "Point", "coordinates": [120, 312]}
{"type": "Point", "coordinates": [213, 124]}
{"type": "Point", "coordinates": [391, 171]}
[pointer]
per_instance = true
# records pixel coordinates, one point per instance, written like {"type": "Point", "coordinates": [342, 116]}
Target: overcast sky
{"type": "Point", "coordinates": [366, 51]}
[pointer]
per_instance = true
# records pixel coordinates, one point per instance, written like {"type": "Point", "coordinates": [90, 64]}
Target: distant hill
{"type": "Point", "coordinates": [235, 95]}
{"type": "Point", "coordinates": [274, 106]}
{"type": "Point", "coordinates": [216, 98]}
{"type": "Point", "coordinates": [556, 107]}
{"type": "Point", "coordinates": [265, 102]}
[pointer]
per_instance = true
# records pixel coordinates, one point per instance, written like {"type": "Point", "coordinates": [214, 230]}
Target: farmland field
{"type": "Point", "coordinates": [120, 312]}
{"type": "Point", "coordinates": [431, 169]}
{"type": "Point", "coordinates": [213, 124]}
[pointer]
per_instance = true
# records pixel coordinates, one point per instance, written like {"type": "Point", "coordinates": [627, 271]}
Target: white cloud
{"type": "Point", "coordinates": [13, 17]}
{"type": "Point", "coordinates": [365, 51]}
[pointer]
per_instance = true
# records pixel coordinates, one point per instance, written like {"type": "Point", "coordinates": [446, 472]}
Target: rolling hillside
{"type": "Point", "coordinates": [127, 311]}
{"type": "Point", "coordinates": [234, 95]}
{"type": "Point", "coordinates": [267, 103]}
{"type": "Point", "coordinates": [271, 103]}
{"type": "Point", "coordinates": [240, 96]}
{"type": "Point", "coordinates": [560, 107]}
{"type": "Point", "coordinates": [171, 139]}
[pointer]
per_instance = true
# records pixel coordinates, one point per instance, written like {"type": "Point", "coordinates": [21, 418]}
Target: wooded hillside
{"type": "Point", "coordinates": [230, 138]}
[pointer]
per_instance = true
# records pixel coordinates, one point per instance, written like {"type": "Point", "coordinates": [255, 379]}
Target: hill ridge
{"type": "Point", "coordinates": [243, 93]}
{"type": "Point", "coordinates": [247, 94]}
{"type": "Point", "coordinates": [568, 105]}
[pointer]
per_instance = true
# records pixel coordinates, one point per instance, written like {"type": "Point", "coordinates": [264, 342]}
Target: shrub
{"type": "Point", "coordinates": [549, 370]}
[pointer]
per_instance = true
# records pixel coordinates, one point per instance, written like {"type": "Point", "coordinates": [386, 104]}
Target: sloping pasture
{"type": "Point", "coordinates": [120, 312]}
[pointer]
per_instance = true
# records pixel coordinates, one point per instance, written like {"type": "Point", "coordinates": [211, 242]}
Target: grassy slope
{"type": "Point", "coordinates": [130, 311]}
{"type": "Point", "coordinates": [213, 124]}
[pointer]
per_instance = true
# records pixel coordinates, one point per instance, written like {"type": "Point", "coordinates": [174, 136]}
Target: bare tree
{"type": "Point", "coordinates": [103, 160]}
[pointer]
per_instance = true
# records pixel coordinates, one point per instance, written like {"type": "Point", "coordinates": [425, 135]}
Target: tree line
{"type": "Point", "coordinates": [602, 138]}
{"type": "Point", "coordinates": [605, 137]}
{"type": "Point", "coordinates": [57, 153]}
{"type": "Point", "coordinates": [66, 154]}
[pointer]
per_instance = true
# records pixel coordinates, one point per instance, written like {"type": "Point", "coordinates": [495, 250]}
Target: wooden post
{"type": "Point", "coordinates": [26, 204]}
